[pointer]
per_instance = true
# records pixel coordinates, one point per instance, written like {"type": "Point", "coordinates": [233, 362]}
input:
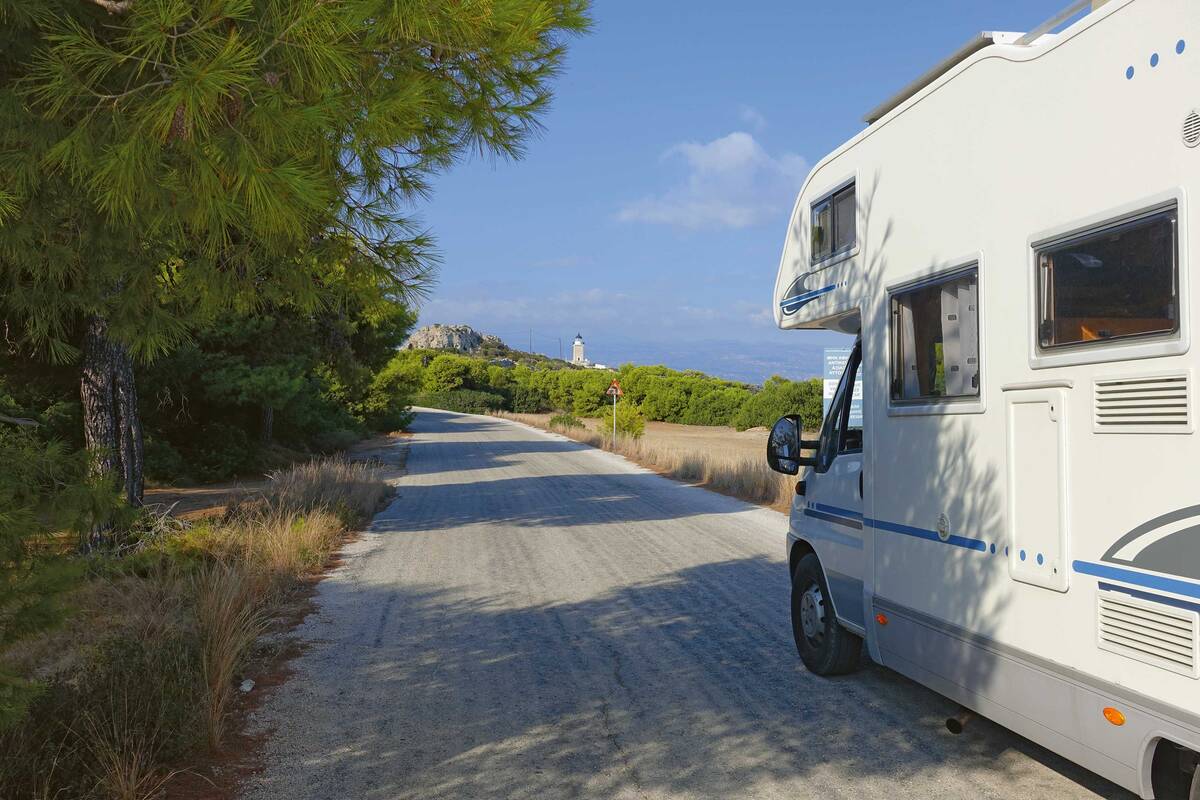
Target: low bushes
{"type": "Point", "coordinates": [630, 421]}
{"type": "Point", "coordinates": [466, 401]}
{"type": "Point", "coordinates": [565, 421]}
{"type": "Point", "coordinates": [143, 674]}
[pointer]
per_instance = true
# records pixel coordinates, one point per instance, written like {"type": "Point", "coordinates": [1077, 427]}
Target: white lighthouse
{"type": "Point", "coordinates": [577, 351]}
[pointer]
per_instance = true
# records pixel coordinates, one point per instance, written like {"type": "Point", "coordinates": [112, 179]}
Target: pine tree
{"type": "Point", "coordinates": [164, 159]}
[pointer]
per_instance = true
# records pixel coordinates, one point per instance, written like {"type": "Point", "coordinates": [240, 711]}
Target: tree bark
{"type": "Point", "coordinates": [112, 427]}
{"type": "Point", "coordinates": [130, 424]}
{"type": "Point", "coordinates": [267, 429]}
{"type": "Point", "coordinates": [96, 392]}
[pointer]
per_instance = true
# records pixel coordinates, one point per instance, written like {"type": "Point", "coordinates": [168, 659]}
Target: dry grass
{"type": "Point", "coordinates": [230, 615]}
{"type": "Point", "coordinates": [728, 470]}
{"type": "Point", "coordinates": [145, 672]}
{"type": "Point", "coordinates": [124, 751]}
{"type": "Point", "coordinates": [351, 488]}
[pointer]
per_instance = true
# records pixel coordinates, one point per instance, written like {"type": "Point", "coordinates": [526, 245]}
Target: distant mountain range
{"type": "Point", "coordinates": [750, 362]}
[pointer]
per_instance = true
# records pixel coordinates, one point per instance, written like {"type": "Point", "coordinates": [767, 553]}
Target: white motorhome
{"type": "Point", "coordinates": [1016, 523]}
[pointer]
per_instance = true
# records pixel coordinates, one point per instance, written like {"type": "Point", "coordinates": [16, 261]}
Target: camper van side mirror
{"type": "Point", "coordinates": [784, 446]}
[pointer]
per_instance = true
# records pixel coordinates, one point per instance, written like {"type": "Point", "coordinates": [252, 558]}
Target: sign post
{"type": "Point", "coordinates": [614, 391]}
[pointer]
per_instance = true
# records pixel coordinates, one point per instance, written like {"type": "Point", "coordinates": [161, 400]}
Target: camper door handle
{"type": "Point", "coordinates": [860, 485]}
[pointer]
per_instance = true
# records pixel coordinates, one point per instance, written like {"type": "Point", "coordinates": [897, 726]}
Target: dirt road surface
{"type": "Point", "coordinates": [533, 618]}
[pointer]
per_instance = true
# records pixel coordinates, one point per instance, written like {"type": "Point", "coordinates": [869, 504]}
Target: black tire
{"type": "Point", "coordinates": [825, 647]}
{"type": "Point", "coordinates": [1194, 794]}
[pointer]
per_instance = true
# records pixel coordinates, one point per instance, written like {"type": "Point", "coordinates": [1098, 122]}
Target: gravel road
{"type": "Point", "coordinates": [532, 618]}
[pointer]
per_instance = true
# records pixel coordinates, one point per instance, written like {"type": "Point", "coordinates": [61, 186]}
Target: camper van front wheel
{"type": "Point", "coordinates": [825, 647]}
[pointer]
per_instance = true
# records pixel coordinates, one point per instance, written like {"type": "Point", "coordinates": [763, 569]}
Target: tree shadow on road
{"type": "Point", "coordinates": [684, 684]}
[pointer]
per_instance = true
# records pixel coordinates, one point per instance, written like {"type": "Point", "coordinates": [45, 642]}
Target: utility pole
{"type": "Point", "coordinates": [560, 348]}
{"type": "Point", "coordinates": [531, 340]}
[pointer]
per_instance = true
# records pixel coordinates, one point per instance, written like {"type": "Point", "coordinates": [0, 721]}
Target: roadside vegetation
{"type": "Point", "coordinates": [140, 678]}
{"type": "Point", "coordinates": [207, 259]}
{"type": "Point", "coordinates": [478, 384]}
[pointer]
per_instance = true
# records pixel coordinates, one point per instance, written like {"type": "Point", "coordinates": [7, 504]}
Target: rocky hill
{"type": "Point", "coordinates": [461, 338]}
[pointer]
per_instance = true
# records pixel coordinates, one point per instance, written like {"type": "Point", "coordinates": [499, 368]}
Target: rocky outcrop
{"type": "Point", "coordinates": [461, 338]}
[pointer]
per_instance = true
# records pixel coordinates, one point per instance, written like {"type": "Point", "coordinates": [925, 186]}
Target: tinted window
{"type": "Point", "coordinates": [935, 339]}
{"type": "Point", "coordinates": [1109, 284]}
{"type": "Point", "coordinates": [833, 224]}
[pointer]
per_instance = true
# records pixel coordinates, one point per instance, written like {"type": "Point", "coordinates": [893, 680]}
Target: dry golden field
{"type": "Point", "coordinates": [722, 459]}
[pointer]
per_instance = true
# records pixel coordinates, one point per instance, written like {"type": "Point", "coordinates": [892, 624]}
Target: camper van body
{"type": "Point", "coordinates": [1025, 541]}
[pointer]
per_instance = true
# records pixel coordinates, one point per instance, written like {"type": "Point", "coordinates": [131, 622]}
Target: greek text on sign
{"type": "Point", "coordinates": [835, 364]}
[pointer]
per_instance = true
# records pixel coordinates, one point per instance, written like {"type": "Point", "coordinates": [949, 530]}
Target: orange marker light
{"type": "Point", "coordinates": [1114, 716]}
{"type": "Point", "coordinates": [881, 619]}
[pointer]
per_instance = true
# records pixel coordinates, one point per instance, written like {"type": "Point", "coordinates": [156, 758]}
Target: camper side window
{"type": "Point", "coordinates": [1113, 283]}
{"type": "Point", "coordinates": [935, 339]}
{"type": "Point", "coordinates": [833, 224]}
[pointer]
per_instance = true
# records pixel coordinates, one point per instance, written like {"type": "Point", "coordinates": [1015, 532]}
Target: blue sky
{"type": "Point", "coordinates": [650, 214]}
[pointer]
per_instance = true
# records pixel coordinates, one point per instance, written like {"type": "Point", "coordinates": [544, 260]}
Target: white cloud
{"type": "Point", "coordinates": [751, 116]}
{"type": "Point", "coordinates": [732, 182]}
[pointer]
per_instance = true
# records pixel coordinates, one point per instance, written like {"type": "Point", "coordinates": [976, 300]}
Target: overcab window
{"type": "Point", "coordinates": [833, 224]}
{"type": "Point", "coordinates": [935, 339]}
{"type": "Point", "coordinates": [1113, 283]}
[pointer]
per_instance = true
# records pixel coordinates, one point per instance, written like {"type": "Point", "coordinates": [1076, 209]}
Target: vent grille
{"type": "Point", "coordinates": [1159, 404]}
{"type": "Point", "coordinates": [1191, 129]}
{"type": "Point", "coordinates": [1153, 633]}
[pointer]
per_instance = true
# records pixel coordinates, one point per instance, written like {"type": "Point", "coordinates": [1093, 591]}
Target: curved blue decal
{"type": "Point", "coordinates": [793, 304]}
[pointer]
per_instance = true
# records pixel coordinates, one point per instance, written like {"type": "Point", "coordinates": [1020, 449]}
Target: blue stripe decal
{"type": "Point", "coordinates": [843, 512]}
{"type": "Point", "coordinates": [1156, 598]}
{"type": "Point", "coordinates": [921, 533]}
{"type": "Point", "coordinates": [835, 519]}
{"type": "Point", "coordinates": [792, 304]}
{"type": "Point", "coordinates": [855, 519]}
{"type": "Point", "coordinates": [845, 540]}
{"type": "Point", "coordinates": [1148, 580]}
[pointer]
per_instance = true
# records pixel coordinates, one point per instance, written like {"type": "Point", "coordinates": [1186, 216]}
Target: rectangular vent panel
{"type": "Point", "coordinates": [1154, 633]}
{"type": "Point", "coordinates": [1160, 404]}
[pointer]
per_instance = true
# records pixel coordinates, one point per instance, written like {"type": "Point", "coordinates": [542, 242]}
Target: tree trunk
{"type": "Point", "coordinates": [96, 392]}
{"type": "Point", "coordinates": [99, 414]}
{"type": "Point", "coordinates": [268, 424]}
{"type": "Point", "coordinates": [130, 423]}
{"type": "Point", "coordinates": [112, 427]}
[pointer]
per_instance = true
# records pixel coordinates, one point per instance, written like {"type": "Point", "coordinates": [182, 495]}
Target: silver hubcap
{"type": "Point", "coordinates": [812, 614]}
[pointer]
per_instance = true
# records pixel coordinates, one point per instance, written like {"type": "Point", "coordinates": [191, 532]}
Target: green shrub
{"type": "Point", "coordinates": [630, 421]}
{"type": "Point", "coordinates": [529, 400]}
{"type": "Point", "coordinates": [222, 452]}
{"type": "Point", "coordinates": [565, 421]}
{"type": "Point", "coordinates": [715, 408]}
{"type": "Point", "coordinates": [48, 490]}
{"type": "Point", "coordinates": [778, 397]}
{"type": "Point", "coordinates": [163, 462]}
{"type": "Point", "coordinates": [466, 401]}
{"type": "Point", "coordinates": [446, 373]}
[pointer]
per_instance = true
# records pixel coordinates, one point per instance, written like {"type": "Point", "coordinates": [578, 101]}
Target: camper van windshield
{"type": "Point", "coordinates": [1110, 284]}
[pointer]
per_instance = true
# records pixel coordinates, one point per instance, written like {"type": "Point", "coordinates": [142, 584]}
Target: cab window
{"type": "Point", "coordinates": [842, 430]}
